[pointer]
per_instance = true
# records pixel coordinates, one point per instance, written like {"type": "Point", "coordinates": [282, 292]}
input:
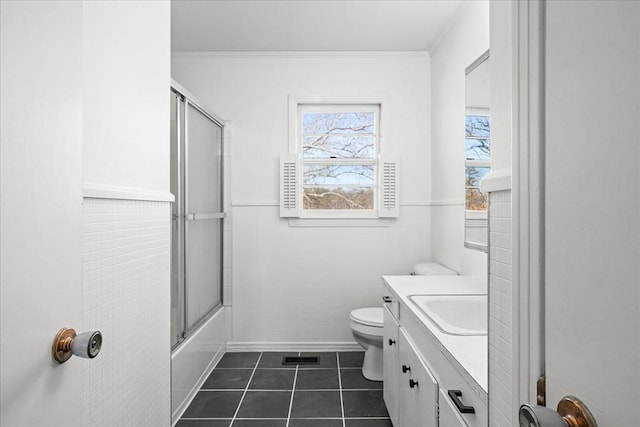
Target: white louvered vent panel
{"type": "Point", "coordinates": [389, 185]}
{"type": "Point", "coordinates": [289, 188]}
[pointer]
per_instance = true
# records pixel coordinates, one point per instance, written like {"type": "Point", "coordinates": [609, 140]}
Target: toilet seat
{"type": "Point", "coordinates": [369, 316]}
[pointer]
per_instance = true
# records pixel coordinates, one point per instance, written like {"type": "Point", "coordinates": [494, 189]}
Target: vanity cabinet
{"type": "Point", "coordinates": [422, 386]}
{"type": "Point", "coordinates": [390, 363]}
{"type": "Point", "coordinates": [417, 388]}
{"type": "Point", "coordinates": [449, 414]}
{"type": "Point", "coordinates": [410, 390]}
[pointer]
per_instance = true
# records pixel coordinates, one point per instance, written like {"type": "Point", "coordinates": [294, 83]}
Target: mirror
{"type": "Point", "coordinates": [477, 152]}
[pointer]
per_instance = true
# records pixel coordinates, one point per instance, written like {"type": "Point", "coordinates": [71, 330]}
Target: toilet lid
{"type": "Point", "coordinates": [370, 316]}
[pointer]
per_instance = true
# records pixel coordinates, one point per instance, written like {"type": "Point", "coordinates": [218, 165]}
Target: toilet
{"type": "Point", "coordinates": [366, 325]}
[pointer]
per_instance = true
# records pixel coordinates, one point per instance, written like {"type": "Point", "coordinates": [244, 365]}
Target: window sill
{"type": "Point", "coordinates": [339, 222]}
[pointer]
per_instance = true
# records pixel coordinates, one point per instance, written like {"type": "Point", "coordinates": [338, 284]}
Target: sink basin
{"type": "Point", "coordinates": [455, 314]}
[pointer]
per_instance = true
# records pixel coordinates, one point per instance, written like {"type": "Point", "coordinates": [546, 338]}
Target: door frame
{"type": "Point", "coordinates": [528, 195]}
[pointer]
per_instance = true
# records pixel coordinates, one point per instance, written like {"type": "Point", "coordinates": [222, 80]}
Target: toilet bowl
{"type": "Point", "coordinates": [366, 324]}
{"type": "Point", "coordinates": [366, 327]}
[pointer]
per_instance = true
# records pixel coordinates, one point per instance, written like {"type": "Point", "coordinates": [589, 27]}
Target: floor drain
{"type": "Point", "coordinates": [300, 360]}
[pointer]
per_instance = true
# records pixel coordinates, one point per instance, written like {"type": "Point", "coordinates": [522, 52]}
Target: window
{"type": "Point", "coordinates": [478, 160]}
{"type": "Point", "coordinates": [339, 146]}
{"type": "Point", "coordinates": [477, 148]}
{"type": "Point", "coordinates": [334, 169]}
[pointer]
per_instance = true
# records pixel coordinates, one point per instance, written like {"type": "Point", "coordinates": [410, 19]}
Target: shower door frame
{"type": "Point", "coordinates": [183, 100]}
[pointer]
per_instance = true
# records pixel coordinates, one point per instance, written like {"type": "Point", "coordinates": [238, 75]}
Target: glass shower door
{"type": "Point", "coordinates": [204, 216]}
{"type": "Point", "coordinates": [177, 224]}
{"type": "Point", "coordinates": [197, 216]}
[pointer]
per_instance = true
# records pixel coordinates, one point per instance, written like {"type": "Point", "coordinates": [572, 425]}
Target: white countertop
{"type": "Point", "coordinates": [470, 352]}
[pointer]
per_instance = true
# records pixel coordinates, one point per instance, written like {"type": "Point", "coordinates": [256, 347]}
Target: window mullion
{"type": "Point", "coordinates": [477, 163]}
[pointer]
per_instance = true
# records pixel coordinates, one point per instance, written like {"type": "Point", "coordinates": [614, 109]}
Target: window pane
{"type": "Point", "coordinates": [475, 200]}
{"type": "Point", "coordinates": [477, 126]}
{"type": "Point", "coordinates": [338, 146]}
{"type": "Point", "coordinates": [319, 175]}
{"type": "Point", "coordinates": [338, 123]}
{"type": "Point", "coordinates": [477, 149]}
{"type": "Point", "coordinates": [345, 198]}
{"type": "Point", "coordinates": [474, 175]}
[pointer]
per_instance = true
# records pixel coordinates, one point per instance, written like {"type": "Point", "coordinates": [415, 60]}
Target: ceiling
{"type": "Point", "coordinates": [308, 25]}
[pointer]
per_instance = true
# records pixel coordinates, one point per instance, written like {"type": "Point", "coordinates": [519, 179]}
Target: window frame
{"type": "Point", "coordinates": [297, 107]}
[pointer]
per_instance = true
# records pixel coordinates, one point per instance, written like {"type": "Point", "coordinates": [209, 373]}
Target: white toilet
{"type": "Point", "coordinates": [366, 325]}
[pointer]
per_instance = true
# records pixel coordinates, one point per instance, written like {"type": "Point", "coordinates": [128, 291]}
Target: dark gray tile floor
{"type": "Point", "coordinates": [253, 389]}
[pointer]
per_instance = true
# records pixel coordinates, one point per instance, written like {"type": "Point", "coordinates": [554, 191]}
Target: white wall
{"type": "Point", "coordinates": [503, 299]}
{"type": "Point", "coordinates": [126, 225]}
{"type": "Point", "coordinates": [503, 340]}
{"type": "Point", "coordinates": [501, 86]}
{"type": "Point", "coordinates": [465, 40]}
{"type": "Point", "coordinates": [125, 64]}
{"type": "Point", "coordinates": [126, 265]}
{"type": "Point", "coordinates": [283, 291]}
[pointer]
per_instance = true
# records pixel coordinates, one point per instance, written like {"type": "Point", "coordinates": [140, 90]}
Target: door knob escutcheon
{"type": "Point", "coordinates": [575, 413]}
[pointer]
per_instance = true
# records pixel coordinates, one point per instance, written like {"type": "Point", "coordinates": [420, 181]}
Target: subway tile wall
{"type": "Point", "coordinates": [500, 316]}
{"type": "Point", "coordinates": [126, 295]}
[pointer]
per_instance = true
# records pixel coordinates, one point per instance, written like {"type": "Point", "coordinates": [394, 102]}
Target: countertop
{"type": "Point", "coordinates": [468, 354]}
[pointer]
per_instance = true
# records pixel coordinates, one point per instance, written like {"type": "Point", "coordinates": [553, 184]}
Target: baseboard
{"type": "Point", "coordinates": [293, 346]}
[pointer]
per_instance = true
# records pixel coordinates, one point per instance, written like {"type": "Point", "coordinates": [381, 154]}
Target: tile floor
{"type": "Point", "coordinates": [253, 389]}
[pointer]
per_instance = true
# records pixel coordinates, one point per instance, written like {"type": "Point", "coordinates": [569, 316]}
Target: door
{"type": "Point", "coordinates": [592, 214]}
{"type": "Point", "coordinates": [196, 182]}
{"type": "Point", "coordinates": [449, 415]}
{"type": "Point", "coordinates": [177, 220]}
{"type": "Point", "coordinates": [40, 217]}
{"type": "Point", "coordinates": [391, 366]}
{"type": "Point", "coordinates": [204, 215]}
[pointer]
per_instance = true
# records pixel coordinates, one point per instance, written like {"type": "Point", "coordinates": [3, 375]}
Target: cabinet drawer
{"type": "Point", "coordinates": [449, 414]}
{"type": "Point", "coordinates": [391, 302]}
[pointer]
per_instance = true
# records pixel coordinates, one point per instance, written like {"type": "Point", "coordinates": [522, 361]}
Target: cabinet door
{"type": "Point", "coordinates": [449, 414]}
{"type": "Point", "coordinates": [391, 368]}
{"type": "Point", "coordinates": [417, 388]}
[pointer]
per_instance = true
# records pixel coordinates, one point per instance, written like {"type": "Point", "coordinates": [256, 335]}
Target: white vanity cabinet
{"type": "Point", "coordinates": [390, 363]}
{"type": "Point", "coordinates": [424, 384]}
{"type": "Point", "coordinates": [417, 388]}
{"type": "Point", "coordinates": [410, 390]}
{"type": "Point", "coordinates": [449, 414]}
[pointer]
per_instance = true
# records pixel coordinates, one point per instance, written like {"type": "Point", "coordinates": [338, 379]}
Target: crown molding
{"type": "Point", "coordinates": [310, 55]}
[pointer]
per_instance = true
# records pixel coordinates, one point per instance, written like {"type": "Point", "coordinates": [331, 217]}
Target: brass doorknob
{"type": "Point", "coordinates": [67, 343]}
{"type": "Point", "coordinates": [575, 413]}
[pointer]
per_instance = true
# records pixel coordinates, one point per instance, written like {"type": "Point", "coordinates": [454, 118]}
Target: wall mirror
{"type": "Point", "coordinates": [477, 143]}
